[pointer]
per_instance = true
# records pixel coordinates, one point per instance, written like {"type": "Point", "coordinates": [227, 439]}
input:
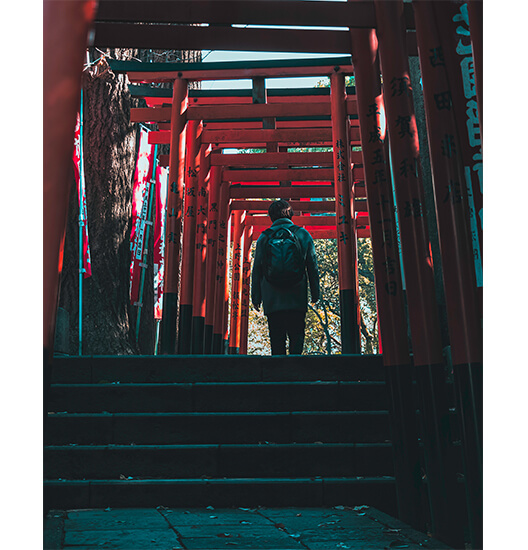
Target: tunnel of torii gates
{"type": "Point", "coordinates": [380, 36]}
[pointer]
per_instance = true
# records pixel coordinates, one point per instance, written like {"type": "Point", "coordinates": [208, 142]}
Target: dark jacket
{"type": "Point", "coordinates": [279, 299]}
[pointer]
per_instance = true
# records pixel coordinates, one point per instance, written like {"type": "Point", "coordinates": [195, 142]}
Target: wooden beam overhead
{"type": "Point", "coordinates": [243, 111]}
{"type": "Point", "coordinates": [302, 174]}
{"type": "Point", "coordinates": [199, 74]}
{"type": "Point", "coordinates": [299, 191]}
{"type": "Point", "coordinates": [277, 192]}
{"type": "Point", "coordinates": [273, 159]}
{"type": "Point", "coordinates": [298, 206]}
{"type": "Point", "coordinates": [358, 14]}
{"type": "Point", "coordinates": [241, 12]}
{"type": "Point", "coordinates": [177, 37]}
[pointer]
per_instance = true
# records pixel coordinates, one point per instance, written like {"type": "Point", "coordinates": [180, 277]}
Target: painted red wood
{"type": "Point", "coordinates": [175, 192]}
{"type": "Point", "coordinates": [189, 215]}
{"type": "Point", "coordinates": [305, 174]}
{"type": "Point", "coordinates": [256, 12]}
{"type": "Point", "coordinates": [201, 234]}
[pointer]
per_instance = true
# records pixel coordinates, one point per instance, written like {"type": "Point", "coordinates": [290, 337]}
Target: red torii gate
{"type": "Point", "coordinates": [422, 27]}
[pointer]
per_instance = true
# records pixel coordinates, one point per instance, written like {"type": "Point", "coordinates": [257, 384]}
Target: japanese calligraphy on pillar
{"type": "Point", "coordinates": [343, 216]}
{"type": "Point", "coordinates": [473, 168]}
{"type": "Point", "coordinates": [382, 218]}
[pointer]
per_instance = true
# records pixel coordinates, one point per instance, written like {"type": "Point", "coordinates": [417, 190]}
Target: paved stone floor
{"type": "Point", "coordinates": [358, 528]}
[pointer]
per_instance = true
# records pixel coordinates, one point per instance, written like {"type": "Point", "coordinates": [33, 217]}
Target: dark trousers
{"type": "Point", "coordinates": [286, 323]}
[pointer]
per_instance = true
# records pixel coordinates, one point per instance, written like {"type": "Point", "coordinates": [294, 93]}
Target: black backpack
{"type": "Point", "coordinates": [283, 263]}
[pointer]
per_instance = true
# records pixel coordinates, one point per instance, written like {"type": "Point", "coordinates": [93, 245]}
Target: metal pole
{"type": "Point", "coordinates": [346, 244]}
{"type": "Point", "coordinates": [189, 236]}
{"type": "Point", "coordinates": [211, 255]}
{"type": "Point", "coordinates": [418, 270]}
{"type": "Point", "coordinates": [453, 215]}
{"type": "Point", "coordinates": [198, 320]}
{"type": "Point", "coordinates": [389, 290]}
{"type": "Point", "coordinates": [148, 223]}
{"type": "Point", "coordinates": [173, 228]}
{"type": "Point", "coordinates": [81, 224]}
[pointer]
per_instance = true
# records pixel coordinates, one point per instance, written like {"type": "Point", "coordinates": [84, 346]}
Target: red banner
{"type": "Point", "coordinates": [162, 174]}
{"type": "Point", "coordinates": [81, 189]}
{"type": "Point", "coordinates": [140, 204]}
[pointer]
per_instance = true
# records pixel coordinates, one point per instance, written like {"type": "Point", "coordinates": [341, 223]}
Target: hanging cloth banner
{"type": "Point", "coordinates": [81, 189]}
{"type": "Point", "coordinates": [140, 201]}
{"type": "Point", "coordinates": [162, 176]}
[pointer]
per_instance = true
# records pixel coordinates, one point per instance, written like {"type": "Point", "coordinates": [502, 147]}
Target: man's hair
{"type": "Point", "coordinates": [280, 209]}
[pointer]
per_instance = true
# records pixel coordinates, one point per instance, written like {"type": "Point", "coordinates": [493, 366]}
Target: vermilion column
{"type": "Point", "coordinates": [173, 228]}
{"type": "Point", "coordinates": [392, 320]}
{"type": "Point", "coordinates": [245, 296]}
{"type": "Point", "coordinates": [476, 26]}
{"type": "Point", "coordinates": [192, 168]}
{"type": "Point", "coordinates": [346, 243]}
{"type": "Point", "coordinates": [198, 321]}
{"type": "Point", "coordinates": [451, 55]}
{"type": "Point", "coordinates": [222, 261]}
{"type": "Point", "coordinates": [418, 270]}
{"type": "Point", "coordinates": [225, 318]}
{"type": "Point", "coordinates": [66, 26]}
{"type": "Point", "coordinates": [454, 232]}
{"type": "Point", "coordinates": [211, 255]}
{"type": "Point", "coordinates": [236, 281]}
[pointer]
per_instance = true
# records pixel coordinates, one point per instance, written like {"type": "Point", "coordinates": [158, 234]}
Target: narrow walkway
{"type": "Point", "coordinates": [358, 528]}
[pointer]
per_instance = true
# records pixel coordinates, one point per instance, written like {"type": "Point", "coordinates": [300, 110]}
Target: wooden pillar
{"type": "Point", "coordinates": [198, 320]}
{"type": "Point", "coordinates": [454, 231]}
{"type": "Point", "coordinates": [392, 320]}
{"type": "Point", "coordinates": [222, 262]}
{"type": "Point", "coordinates": [66, 26]}
{"type": "Point", "coordinates": [418, 270]}
{"type": "Point", "coordinates": [211, 255]}
{"type": "Point", "coordinates": [225, 318]}
{"type": "Point", "coordinates": [236, 281]}
{"type": "Point", "coordinates": [475, 12]}
{"type": "Point", "coordinates": [245, 297]}
{"type": "Point", "coordinates": [346, 244]}
{"type": "Point", "coordinates": [173, 227]}
{"type": "Point", "coordinates": [192, 168]}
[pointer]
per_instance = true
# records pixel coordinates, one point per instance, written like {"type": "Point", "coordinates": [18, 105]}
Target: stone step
{"type": "Point", "coordinates": [219, 397]}
{"type": "Point", "coordinates": [218, 461]}
{"type": "Point", "coordinates": [238, 427]}
{"type": "Point", "coordinates": [249, 493]}
{"type": "Point", "coordinates": [215, 368]}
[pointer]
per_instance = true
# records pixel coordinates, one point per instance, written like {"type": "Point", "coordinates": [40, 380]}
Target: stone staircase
{"type": "Point", "coordinates": [194, 431]}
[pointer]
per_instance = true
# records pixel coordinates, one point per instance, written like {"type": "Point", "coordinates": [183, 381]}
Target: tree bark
{"type": "Point", "coordinates": [109, 163]}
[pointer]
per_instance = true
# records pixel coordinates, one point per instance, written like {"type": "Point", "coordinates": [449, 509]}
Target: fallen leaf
{"type": "Point", "coordinates": [398, 544]}
{"type": "Point", "coordinates": [224, 535]}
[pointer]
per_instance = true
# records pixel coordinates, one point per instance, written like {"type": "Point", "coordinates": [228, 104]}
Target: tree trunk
{"type": "Point", "coordinates": [109, 163]}
{"type": "Point", "coordinates": [110, 151]}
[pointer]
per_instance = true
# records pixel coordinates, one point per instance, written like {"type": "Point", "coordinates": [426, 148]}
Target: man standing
{"type": "Point", "coordinates": [284, 255]}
